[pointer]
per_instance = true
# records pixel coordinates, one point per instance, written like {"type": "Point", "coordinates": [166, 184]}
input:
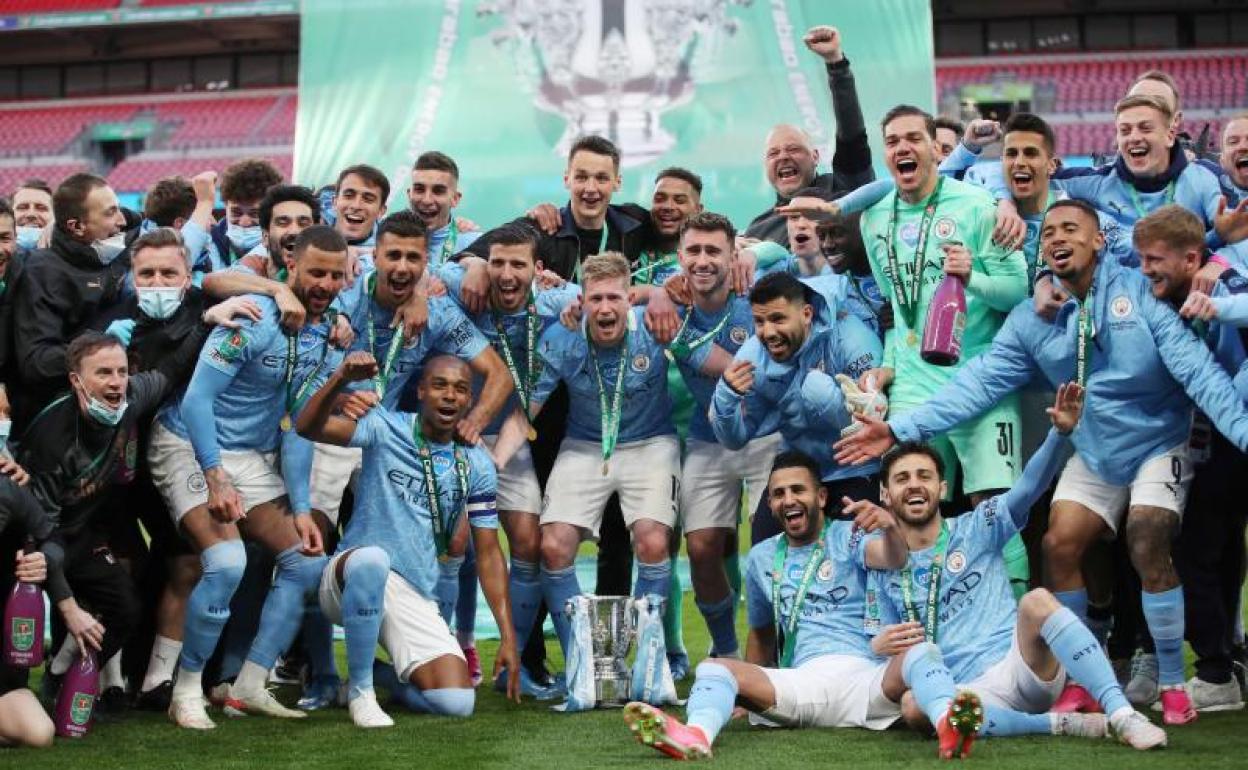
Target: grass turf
{"type": "Point", "coordinates": [530, 735]}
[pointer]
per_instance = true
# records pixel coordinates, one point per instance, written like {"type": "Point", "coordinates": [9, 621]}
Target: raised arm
{"type": "Point", "coordinates": [317, 421]}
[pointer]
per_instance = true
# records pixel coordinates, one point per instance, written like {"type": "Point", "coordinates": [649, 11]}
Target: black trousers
{"type": "Point", "coordinates": [102, 587]}
{"type": "Point", "coordinates": [1209, 557]}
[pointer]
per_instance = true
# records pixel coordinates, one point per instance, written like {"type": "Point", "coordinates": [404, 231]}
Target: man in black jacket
{"type": "Point", "coordinates": [65, 288]}
{"type": "Point", "coordinates": [789, 158]}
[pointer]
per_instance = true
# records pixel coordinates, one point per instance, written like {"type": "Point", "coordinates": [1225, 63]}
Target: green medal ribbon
{"type": "Point", "coordinates": [385, 368]}
{"type": "Point", "coordinates": [788, 631]}
{"type": "Point", "coordinates": [933, 586]}
{"type": "Point", "coordinates": [602, 246]}
{"type": "Point", "coordinates": [1087, 334]}
{"type": "Point", "coordinates": [1139, 207]}
{"type": "Point", "coordinates": [648, 268]}
{"type": "Point", "coordinates": [909, 300]}
{"type": "Point", "coordinates": [680, 348]}
{"type": "Point", "coordinates": [524, 385]}
{"type": "Point", "coordinates": [612, 411]}
{"type": "Point", "coordinates": [295, 399]}
{"type": "Point", "coordinates": [441, 533]}
{"type": "Point", "coordinates": [448, 245]}
{"type": "Point", "coordinates": [4, 284]}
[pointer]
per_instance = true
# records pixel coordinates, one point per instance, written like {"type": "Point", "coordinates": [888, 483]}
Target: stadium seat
{"type": "Point", "coordinates": [138, 172]}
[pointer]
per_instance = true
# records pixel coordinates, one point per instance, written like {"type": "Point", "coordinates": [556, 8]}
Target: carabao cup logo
{"type": "Point", "coordinates": [22, 634]}
{"type": "Point", "coordinates": [610, 67]}
{"type": "Point", "coordinates": [80, 709]}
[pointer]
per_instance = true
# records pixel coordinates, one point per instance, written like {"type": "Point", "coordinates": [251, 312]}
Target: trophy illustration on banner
{"type": "Point", "coordinates": [611, 67]}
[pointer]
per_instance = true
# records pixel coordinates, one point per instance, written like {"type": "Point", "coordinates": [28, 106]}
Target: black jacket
{"type": "Point", "coordinates": [19, 509]}
{"type": "Point", "coordinates": [562, 251]}
{"type": "Point", "coordinates": [62, 291]}
{"type": "Point", "coordinates": [851, 162]}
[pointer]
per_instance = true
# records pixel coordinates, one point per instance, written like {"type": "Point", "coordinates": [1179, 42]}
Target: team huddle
{"type": "Point", "coordinates": [321, 413]}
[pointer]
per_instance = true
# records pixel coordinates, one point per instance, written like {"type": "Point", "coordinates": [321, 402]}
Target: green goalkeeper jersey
{"type": "Point", "coordinates": [963, 213]}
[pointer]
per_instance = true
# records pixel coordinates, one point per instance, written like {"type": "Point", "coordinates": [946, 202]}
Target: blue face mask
{"type": "Point", "coordinates": [103, 413]}
{"type": "Point", "coordinates": [6, 426]}
{"type": "Point", "coordinates": [28, 237]}
{"type": "Point", "coordinates": [244, 239]}
{"type": "Point", "coordinates": [159, 302]}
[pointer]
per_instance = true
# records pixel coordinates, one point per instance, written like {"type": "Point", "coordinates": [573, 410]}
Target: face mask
{"type": "Point", "coordinates": [108, 249]}
{"type": "Point", "coordinates": [5, 427]}
{"type": "Point", "coordinates": [159, 302]}
{"type": "Point", "coordinates": [28, 237]}
{"type": "Point", "coordinates": [104, 414]}
{"type": "Point", "coordinates": [243, 238]}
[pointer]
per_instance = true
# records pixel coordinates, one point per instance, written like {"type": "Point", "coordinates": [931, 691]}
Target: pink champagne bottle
{"type": "Point", "coordinates": [23, 624]}
{"type": "Point", "coordinates": [946, 320]}
{"type": "Point", "coordinates": [76, 703]}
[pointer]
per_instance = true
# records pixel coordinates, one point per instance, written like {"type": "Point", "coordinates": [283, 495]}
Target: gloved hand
{"type": "Point", "coordinates": [870, 403]}
{"type": "Point", "coordinates": [122, 329]}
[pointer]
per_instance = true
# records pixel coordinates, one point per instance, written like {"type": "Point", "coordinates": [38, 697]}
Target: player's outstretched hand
{"type": "Point", "coordinates": [507, 656]}
{"type": "Point", "coordinates": [225, 504]}
{"type": "Point", "coordinates": [1067, 407]}
{"type": "Point", "coordinates": [358, 366]}
{"type": "Point", "coordinates": [9, 467]}
{"type": "Point", "coordinates": [1207, 277]}
{"type": "Point", "coordinates": [570, 316]}
{"type": "Point", "coordinates": [1049, 299]}
{"type": "Point", "coordinates": [869, 442]}
{"type": "Point", "coordinates": [358, 404]}
{"type": "Point", "coordinates": [310, 534]}
{"type": "Point", "coordinates": [826, 42]}
{"type": "Point", "coordinates": [677, 288]}
{"type": "Point", "coordinates": [1199, 305]}
{"type": "Point", "coordinates": [661, 318]}
{"type": "Point", "coordinates": [896, 639]}
{"type": "Point", "coordinates": [546, 217]}
{"type": "Point", "coordinates": [1231, 225]}
{"type": "Point", "coordinates": [1010, 230]}
{"type": "Point", "coordinates": [868, 516]}
{"type": "Point", "coordinates": [740, 377]}
{"type": "Point", "coordinates": [224, 313]}
{"type": "Point", "coordinates": [291, 311]}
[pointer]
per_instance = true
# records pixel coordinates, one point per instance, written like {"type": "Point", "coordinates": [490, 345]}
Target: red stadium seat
{"type": "Point", "coordinates": [138, 172]}
{"type": "Point", "coordinates": [55, 6]}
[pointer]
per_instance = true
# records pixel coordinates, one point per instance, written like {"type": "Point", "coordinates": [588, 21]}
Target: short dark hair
{"type": "Point", "coordinates": [1074, 203]}
{"type": "Point", "coordinates": [402, 224]}
{"type": "Point", "coordinates": [515, 234]}
{"type": "Point", "coordinates": [909, 110]}
{"type": "Point", "coordinates": [168, 200]}
{"type": "Point", "coordinates": [6, 209]}
{"type": "Point", "coordinates": [953, 125]}
{"type": "Point", "coordinates": [778, 286]}
{"type": "Point", "coordinates": [437, 161]}
{"type": "Point", "coordinates": [710, 222]}
{"type": "Point", "coordinates": [683, 174]}
{"type": "Point", "coordinates": [372, 176]}
{"type": "Point", "coordinates": [1033, 124]}
{"type": "Point", "coordinates": [34, 183]}
{"type": "Point", "coordinates": [85, 344]}
{"type": "Point", "coordinates": [598, 146]}
{"type": "Point", "coordinates": [322, 237]}
{"type": "Point", "coordinates": [160, 238]}
{"type": "Point", "coordinates": [905, 449]}
{"type": "Point", "coordinates": [286, 193]}
{"type": "Point", "coordinates": [248, 179]}
{"type": "Point", "coordinates": [795, 458]}
{"type": "Point", "coordinates": [70, 199]}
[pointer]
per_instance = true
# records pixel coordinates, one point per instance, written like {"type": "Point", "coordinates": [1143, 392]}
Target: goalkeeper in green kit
{"type": "Point", "coordinates": [930, 226]}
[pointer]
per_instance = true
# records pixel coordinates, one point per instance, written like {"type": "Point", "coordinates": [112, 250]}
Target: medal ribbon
{"type": "Point", "coordinates": [386, 366]}
{"type": "Point", "coordinates": [788, 631]}
{"type": "Point", "coordinates": [441, 533]}
{"type": "Point", "coordinates": [610, 412]}
{"type": "Point", "coordinates": [909, 301]}
{"type": "Point", "coordinates": [1139, 207]}
{"type": "Point", "coordinates": [295, 399]}
{"type": "Point", "coordinates": [681, 349]}
{"type": "Point", "coordinates": [448, 245]}
{"type": "Point", "coordinates": [933, 586]}
{"type": "Point", "coordinates": [525, 385]}
{"type": "Point", "coordinates": [648, 268]}
{"type": "Point", "coordinates": [602, 246]}
{"type": "Point", "coordinates": [1087, 334]}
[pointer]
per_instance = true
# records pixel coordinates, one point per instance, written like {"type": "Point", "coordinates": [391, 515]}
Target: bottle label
{"type": "Point", "coordinates": [959, 326]}
{"type": "Point", "coordinates": [22, 634]}
{"type": "Point", "coordinates": [80, 709]}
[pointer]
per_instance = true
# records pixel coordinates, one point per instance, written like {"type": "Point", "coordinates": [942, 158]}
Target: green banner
{"type": "Point", "coordinates": [504, 85]}
{"type": "Point", "coordinates": [157, 15]}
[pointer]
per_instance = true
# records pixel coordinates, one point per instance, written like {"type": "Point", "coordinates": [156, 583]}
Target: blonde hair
{"type": "Point", "coordinates": [1163, 77]}
{"type": "Point", "coordinates": [1174, 226]}
{"type": "Point", "coordinates": [1144, 100]}
{"type": "Point", "coordinates": [604, 266]}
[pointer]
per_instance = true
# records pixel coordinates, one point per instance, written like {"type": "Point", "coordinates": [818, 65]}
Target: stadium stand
{"type": "Point", "coordinates": [140, 171]}
{"type": "Point", "coordinates": [33, 131]}
{"type": "Point", "coordinates": [54, 6]}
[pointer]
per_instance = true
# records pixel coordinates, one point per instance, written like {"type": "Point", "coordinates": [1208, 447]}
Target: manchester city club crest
{"type": "Point", "coordinates": [195, 482]}
{"type": "Point", "coordinates": [945, 228]}
{"type": "Point", "coordinates": [1121, 306]}
{"type": "Point", "coordinates": [738, 335]}
{"type": "Point", "coordinates": [956, 562]}
{"type": "Point", "coordinates": [824, 572]}
{"type": "Point", "coordinates": [641, 362]}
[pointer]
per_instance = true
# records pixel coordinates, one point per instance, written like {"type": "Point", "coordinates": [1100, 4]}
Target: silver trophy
{"type": "Point", "coordinates": [612, 623]}
{"type": "Point", "coordinates": [611, 67]}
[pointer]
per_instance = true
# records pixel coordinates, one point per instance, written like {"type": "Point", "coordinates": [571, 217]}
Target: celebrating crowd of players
{"type": "Point", "coordinates": [320, 413]}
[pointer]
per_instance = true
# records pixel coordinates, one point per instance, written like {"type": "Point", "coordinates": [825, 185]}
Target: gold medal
{"type": "Point", "coordinates": [532, 433]}
{"type": "Point", "coordinates": [285, 424]}
{"type": "Point", "coordinates": [912, 339]}
{"type": "Point", "coordinates": [604, 468]}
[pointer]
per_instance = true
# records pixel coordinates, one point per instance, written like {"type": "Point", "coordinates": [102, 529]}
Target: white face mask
{"type": "Point", "coordinates": [6, 427]}
{"type": "Point", "coordinates": [108, 249]}
{"type": "Point", "coordinates": [159, 302]}
{"type": "Point", "coordinates": [28, 237]}
{"type": "Point", "coordinates": [244, 238]}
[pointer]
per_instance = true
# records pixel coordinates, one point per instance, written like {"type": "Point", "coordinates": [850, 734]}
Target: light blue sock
{"type": "Point", "coordinates": [1076, 601]}
{"type": "Point", "coordinates": [721, 622]}
{"type": "Point", "coordinates": [245, 610]}
{"type": "Point", "coordinates": [318, 643]}
{"type": "Point", "coordinates": [924, 670]}
{"type": "Point", "coordinates": [451, 701]}
{"type": "Point", "coordinates": [557, 587]}
{"type": "Point", "coordinates": [711, 698]}
{"type": "Point", "coordinates": [447, 589]}
{"type": "Point", "coordinates": [297, 576]}
{"type": "Point", "coordinates": [363, 601]}
{"type": "Point", "coordinates": [525, 588]}
{"type": "Point", "coordinates": [466, 601]}
{"type": "Point", "coordinates": [1000, 722]}
{"type": "Point", "coordinates": [448, 701]}
{"type": "Point", "coordinates": [208, 607]}
{"type": "Point", "coordinates": [1164, 614]}
{"type": "Point", "coordinates": [653, 579]}
{"type": "Point", "coordinates": [1076, 649]}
